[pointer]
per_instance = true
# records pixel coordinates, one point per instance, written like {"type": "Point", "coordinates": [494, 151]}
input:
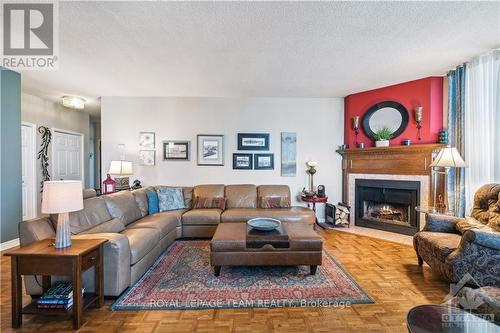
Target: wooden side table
{"type": "Point", "coordinates": [314, 200]}
{"type": "Point", "coordinates": [41, 258]}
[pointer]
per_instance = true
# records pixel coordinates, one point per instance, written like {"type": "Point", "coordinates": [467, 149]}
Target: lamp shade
{"type": "Point", "coordinates": [120, 168]}
{"type": "Point", "coordinates": [62, 196]}
{"type": "Point", "coordinates": [448, 157]}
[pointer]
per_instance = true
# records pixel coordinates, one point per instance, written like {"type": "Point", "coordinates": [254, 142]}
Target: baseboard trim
{"type": "Point", "coordinates": [9, 244]}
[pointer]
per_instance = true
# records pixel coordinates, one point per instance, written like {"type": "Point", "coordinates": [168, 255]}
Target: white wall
{"type": "Point", "coordinates": [317, 121]}
{"type": "Point", "coordinates": [42, 112]}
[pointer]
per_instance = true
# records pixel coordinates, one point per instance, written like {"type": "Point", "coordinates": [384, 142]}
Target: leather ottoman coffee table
{"type": "Point", "coordinates": [229, 248]}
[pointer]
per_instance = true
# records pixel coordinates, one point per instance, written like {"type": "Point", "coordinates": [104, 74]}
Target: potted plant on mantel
{"type": "Point", "coordinates": [382, 137]}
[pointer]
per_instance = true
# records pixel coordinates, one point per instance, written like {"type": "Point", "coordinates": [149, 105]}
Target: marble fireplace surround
{"type": "Point", "coordinates": [425, 189]}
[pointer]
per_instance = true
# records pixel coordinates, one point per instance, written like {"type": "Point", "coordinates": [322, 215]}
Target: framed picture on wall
{"type": "Point", "coordinates": [210, 149]}
{"type": "Point", "coordinates": [288, 154]}
{"type": "Point", "coordinates": [264, 162]}
{"type": "Point", "coordinates": [147, 157]}
{"type": "Point", "coordinates": [253, 141]}
{"type": "Point", "coordinates": [146, 140]}
{"type": "Point", "coordinates": [242, 161]}
{"type": "Point", "coordinates": [176, 150]}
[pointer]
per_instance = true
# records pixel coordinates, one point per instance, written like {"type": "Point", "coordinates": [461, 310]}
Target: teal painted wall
{"type": "Point", "coordinates": [10, 154]}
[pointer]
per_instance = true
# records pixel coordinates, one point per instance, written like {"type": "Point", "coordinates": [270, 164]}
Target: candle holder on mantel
{"type": "Point", "coordinates": [418, 118]}
{"type": "Point", "coordinates": [355, 126]}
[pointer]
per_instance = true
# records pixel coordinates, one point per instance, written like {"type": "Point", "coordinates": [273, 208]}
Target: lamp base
{"type": "Point", "coordinates": [63, 235]}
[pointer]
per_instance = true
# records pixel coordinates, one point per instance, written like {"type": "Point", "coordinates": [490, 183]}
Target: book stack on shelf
{"type": "Point", "coordinates": [59, 296]}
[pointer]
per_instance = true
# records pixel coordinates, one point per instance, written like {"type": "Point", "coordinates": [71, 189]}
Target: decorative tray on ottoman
{"type": "Point", "coordinates": [266, 231]}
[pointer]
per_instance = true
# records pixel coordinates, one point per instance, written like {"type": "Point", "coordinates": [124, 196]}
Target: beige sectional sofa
{"type": "Point", "coordinates": [136, 239]}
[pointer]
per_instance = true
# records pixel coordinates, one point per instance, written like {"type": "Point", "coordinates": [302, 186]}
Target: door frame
{"type": "Point", "coordinates": [34, 186]}
{"type": "Point", "coordinates": [82, 159]}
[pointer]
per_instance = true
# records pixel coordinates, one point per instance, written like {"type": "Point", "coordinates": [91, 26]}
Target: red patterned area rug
{"type": "Point", "coordinates": [182, 278]}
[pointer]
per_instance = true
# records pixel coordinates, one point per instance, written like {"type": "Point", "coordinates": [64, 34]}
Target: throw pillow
{"type": "Point", "coordinates": [204, 203]}
{"type": "Point", "coordinates": [469, 223]}
{"type": "Point", "coordinates": [170, 198]}
{"type": "Point", "coordinates": [152, 201]}
{"type": "Point", "coordinates": [275, 202]}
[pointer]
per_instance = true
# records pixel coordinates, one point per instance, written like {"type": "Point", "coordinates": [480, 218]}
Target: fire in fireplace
{"type": "Point", "coordinates": [387, 205]}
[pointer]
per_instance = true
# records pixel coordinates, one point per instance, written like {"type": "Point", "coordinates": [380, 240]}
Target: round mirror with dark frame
{"type": "Point", "coordinates": [390, 114]}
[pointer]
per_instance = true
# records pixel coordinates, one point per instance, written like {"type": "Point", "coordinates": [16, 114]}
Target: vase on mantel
{"type": "Point", "coordinates": [382, 143]}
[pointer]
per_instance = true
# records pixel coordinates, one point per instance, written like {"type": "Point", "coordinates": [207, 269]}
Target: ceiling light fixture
{"type": "Point", "coordinates": [73, 102]}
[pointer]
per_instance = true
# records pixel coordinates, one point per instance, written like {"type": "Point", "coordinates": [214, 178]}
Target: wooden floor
{"type": "Point", "coordinates": [387, 271]}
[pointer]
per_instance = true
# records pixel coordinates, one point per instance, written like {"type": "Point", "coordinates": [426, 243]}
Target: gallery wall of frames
{"type": "Point", "coordinates": [189, 141]}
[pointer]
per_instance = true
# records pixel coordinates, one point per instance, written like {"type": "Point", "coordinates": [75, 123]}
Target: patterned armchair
{"type": "Point", "coordinates": [457, 246]}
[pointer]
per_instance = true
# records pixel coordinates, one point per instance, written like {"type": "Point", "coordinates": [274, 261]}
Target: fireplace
{"type": "Point", "coordinates": [387, 205]}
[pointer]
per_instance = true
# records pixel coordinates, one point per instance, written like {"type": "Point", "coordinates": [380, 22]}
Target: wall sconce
{"type": "Point", "coordinates": [418, 118]}
{"type": "Point", "coordinates": [355, 126]}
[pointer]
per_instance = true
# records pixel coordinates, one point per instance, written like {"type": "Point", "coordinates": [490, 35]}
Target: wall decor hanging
{"type": "Point", "coordinates": [288, 154]}
{"type": "Point", "coordinates": [146, 140]}
{"type": "Point", "coordinates": [264, 161]}
{"type": "Point", "coordinates": [176, 150]}
{"type": "Point", "coordinates": [242, 161]}
{"type": "Point", "coordinates": [43, 154]}
{"type": "Point", "coordinates": [253, 141]}
{"type": "Point", "coordinates": [387, 114]}
{"type": "Point", "coordinates": [210, 149]}
{"type": "Point", "coordinates": [147, 157]}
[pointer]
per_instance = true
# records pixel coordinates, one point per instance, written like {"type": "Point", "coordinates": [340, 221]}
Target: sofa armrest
{"type": "Point", "coordinates": [116, 263]}
{"type": "Point", "coordinates": [485, 238]}
{"type": "Point", "coordinates": [35, 230]}
{"type": "Point", "coordinates": [441, 223]}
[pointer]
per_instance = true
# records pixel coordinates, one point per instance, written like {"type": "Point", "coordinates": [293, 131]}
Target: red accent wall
{"type": "Point", "coordinates": [427, 93]}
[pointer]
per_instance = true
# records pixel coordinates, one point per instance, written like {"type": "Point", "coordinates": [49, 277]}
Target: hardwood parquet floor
{"type": "Point", "coordinates": [387, 271]}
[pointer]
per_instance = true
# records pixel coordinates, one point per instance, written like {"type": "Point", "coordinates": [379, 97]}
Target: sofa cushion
{"type": "Point", "coordinates": [209, 191]}
{"type": "Point", "coordinates": [170, 198]}
{"type": "Point", "coordinates": [294, 214]}
{"type": "Point", "coordinates": [141, 242]}
{"type": "Point", "coordinates": [111, 226]}
{"type": "Point", "coordinates": [141, 199]}
{"type": "Point", "coordinates": [275, 202]}
{"type": "Point", "coordinates": [265, 191]}
{"type": "Point", "coordinates": [153, 203]}
{"type": "Point", "coordinates": [122, 206]}
{"type": "Point", "coordinates": [437, 244]}
{"type": "Point", "coordinates": [204, 203]}
{"type": "Point", "coordinates": [94, 212]}
{"type": "Point", "coordinates": [163, 222]}
{"type": "Point", "coordinates": [241, 196]}
{"type": "Point", "coordinates": [202, 216]}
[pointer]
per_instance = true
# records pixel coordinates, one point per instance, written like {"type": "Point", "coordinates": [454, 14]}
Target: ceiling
{"type": "Point", "coordinates": [258, 49]}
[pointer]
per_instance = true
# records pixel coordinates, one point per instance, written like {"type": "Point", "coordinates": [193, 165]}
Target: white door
{"type": "Point", "coordinates": [67, 152]}
{"type": "Point", "coordinates": [29, 187]}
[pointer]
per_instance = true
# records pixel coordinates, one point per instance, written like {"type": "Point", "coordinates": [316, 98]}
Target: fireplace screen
{"type": "Point", "coordinates": [386, 213]}
{"type": "Point", "coordinates": [387, 205]}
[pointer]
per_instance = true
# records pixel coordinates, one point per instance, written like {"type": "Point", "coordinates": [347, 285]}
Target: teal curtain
{"type": "Point", "coordinates": [456, 126]}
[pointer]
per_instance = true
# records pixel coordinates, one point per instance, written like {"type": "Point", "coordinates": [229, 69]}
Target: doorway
{"type": "Point", "coordinates": [29, 179]}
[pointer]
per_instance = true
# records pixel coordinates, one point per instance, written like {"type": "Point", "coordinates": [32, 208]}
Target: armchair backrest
{"type": "Point", "coordinates": [486, 202]}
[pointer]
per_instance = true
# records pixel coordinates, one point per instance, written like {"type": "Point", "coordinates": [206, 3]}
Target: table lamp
{"type": "Point", "coordinates": [448, 157]}
{"type": "Point", "coordinates": [121, 168]}
{"type": "Point", "coordinates": [61, 197]}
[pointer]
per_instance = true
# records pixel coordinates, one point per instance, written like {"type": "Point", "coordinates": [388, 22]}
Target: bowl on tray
{"type": "Point", "coordinates": [264, 223]}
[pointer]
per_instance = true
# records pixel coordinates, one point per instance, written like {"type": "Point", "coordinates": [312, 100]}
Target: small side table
{"type": "Point", "coordinates": [433, 210]}
{"type": "Point", "coordinates": [41, 258]}
{"type": "Point", "coordinates": [313, 201]}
